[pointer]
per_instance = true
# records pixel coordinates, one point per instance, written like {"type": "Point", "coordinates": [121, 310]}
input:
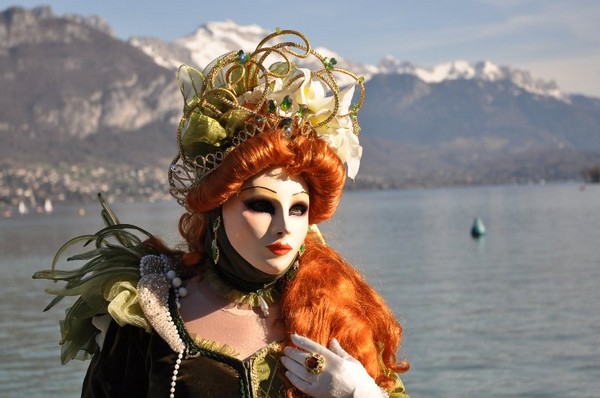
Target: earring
{"type": "Point", "coordinates": [214, 248]}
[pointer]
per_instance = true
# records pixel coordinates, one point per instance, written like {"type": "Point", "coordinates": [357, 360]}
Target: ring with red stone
{"type": "Point", "coordinates": [314, 363]}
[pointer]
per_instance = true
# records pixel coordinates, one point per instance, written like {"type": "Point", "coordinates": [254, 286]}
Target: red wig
{"type": "Point", "coordinates": [327, 298]}
{"type": "Point", "coordinates": [309, 157]}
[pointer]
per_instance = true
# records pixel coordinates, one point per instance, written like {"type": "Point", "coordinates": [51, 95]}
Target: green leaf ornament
{"type": "Point", "coordinates": [202, 134]}
{"type": "Point", "coordinates": [190, 82]}
{"type": "Point", "coordinates": [234, 120]}
{"type": "Point", "coordinates": [282, 68]}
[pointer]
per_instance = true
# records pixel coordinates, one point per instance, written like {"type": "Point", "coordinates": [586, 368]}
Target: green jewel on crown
{"type": "Point", "coordinates": [239, 95]}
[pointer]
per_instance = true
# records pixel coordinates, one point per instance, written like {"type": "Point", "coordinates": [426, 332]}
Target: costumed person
{"type": "Point", "coordinates": [254, 303]}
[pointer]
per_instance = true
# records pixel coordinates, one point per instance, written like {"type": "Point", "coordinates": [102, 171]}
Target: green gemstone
{"type": "Point", "coordinates": [302, 110]}
{"type": "Point", "coordinates": [286, 122]}
{"type": "Point", "coordinates": [286, 104]}
{"type": "Point", "coordinates": [242, 57]}
{"type": "Point", "coordinates": [329, 63]}
{"type": "Point", "coordinates": [272, 105]}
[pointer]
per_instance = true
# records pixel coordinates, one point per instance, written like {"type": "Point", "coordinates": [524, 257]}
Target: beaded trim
{"type": "Point", "coordinates": [153, 287]}
{"type": "Point", "coordinates": [158, 276]}
{"type": "Point", "coordinates": [274, 347]}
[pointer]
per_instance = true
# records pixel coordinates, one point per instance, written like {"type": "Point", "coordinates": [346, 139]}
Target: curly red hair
{"type": "Point", "coordinates": [308, 157]}
{"type": "Point", "coordinates": [327, 298]}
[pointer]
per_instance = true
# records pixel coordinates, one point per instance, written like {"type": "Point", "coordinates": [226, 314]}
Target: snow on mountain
{"type": "Point", "coordinates": [167, 55]}
{"type": "Point", "coordinates": [202, 46]}
{"type": "Point", "coordinates": [484, 70]}
{"type": "Point", "coordinates": [216, 38]}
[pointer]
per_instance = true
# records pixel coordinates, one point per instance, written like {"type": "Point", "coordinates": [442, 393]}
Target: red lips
{"type": "Point", "coordinates": [279, 249]}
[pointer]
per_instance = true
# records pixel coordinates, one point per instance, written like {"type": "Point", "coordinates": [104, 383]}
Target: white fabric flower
{"type": "Point", "coordinates": [341, 136]}
{"type": "Point", "coordinates": [338, 132]}
{"type": "Point", "coordinates": [309, 91]}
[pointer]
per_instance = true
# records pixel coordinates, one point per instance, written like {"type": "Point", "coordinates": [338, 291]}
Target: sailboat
{"type": "Point", "coordinates": [48, 208]}
{"type": "Point", "coordinates": [22, 208]}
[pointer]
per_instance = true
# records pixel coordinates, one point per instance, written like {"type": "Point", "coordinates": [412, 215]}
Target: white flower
{"type": "Point", "coordinates": [253, 97]}
{"type": "Point", "coordinates": [338, 131]}
{"type": "Point", "coordinates": [309, 91]}
{"type": "Point", "coordinates": [340, 136]}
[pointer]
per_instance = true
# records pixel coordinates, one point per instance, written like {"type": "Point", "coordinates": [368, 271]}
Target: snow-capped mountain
{"type": "Point", "coordinates": [483, 70]}
{"type": "Point", "coordinates": [216, 38]}
{"type": "Point", "coordinates": [116, 103]}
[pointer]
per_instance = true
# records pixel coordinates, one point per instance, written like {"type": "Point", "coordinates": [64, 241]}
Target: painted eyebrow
{"type": "Point", "coordinates": [258, 186]}
{"type": "Point", "coordinates": [270, 190]}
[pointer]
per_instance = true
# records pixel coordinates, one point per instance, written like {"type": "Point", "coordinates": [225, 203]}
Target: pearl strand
{"type": "Point", "coordinates": [175, 373]}
{"type": "Point", "coordinates": [176, 282]}
{"type": "Point", "coordinates": [180, 291]}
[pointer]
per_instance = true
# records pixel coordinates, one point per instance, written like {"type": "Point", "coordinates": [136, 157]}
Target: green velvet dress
{"type": "Point", "coordinates": [134, 363]}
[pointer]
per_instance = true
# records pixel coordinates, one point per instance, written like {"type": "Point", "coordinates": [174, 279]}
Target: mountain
{"type": "Point", "coordinates": [483, 70]}
{"type": "Point", "coordinates": [215, 38]}
{"type": "Point", "coordinates": [477, 113]}
{"type": "Point", "coordinates": [81, 111]}
{"type": "Point", "coordinates": [468, 117]}
{"type": "Point", "coordinates": [66, 79]}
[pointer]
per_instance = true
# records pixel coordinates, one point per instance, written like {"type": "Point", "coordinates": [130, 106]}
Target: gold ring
{"type": "Point", "coordinates": [314, 363]}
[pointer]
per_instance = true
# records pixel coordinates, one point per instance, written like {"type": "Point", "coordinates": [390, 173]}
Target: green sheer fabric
{"type": "Point", "coordinates": [103, 284]}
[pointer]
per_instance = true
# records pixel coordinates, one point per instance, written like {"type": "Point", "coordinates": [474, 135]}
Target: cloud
{"type": "Point", "coordinates": [540, 21]}
{"type": "Point", "coordinates": [578, 20]}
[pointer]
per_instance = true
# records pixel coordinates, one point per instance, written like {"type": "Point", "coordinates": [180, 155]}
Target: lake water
{"type": "Point", "coordinates": [515, 314]}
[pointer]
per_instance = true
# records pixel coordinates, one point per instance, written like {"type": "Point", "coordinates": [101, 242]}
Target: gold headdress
{"type": "Point", "coordinates": [238, 96]}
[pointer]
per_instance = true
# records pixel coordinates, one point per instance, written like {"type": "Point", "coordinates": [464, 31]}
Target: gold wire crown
{"type": "Point", "coordinates": [238, 96]}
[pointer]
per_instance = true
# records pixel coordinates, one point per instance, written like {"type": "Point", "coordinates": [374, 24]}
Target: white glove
{"type": "Point", "coordinates": [342, 376]}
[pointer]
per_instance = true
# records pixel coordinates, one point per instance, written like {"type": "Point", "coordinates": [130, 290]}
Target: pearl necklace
{"type": "Point", "coordinates": [180, 291]}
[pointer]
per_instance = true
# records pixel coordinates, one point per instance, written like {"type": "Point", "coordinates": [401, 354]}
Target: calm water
{"type": "Point", "coordinates": [515, 314]}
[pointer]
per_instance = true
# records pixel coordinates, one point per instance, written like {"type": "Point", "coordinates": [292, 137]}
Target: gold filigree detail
{"type": "Point", "coordinates": [242, 94]}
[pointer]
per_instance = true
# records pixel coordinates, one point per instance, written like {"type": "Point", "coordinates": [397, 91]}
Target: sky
{"type": "Point", "coordinates": [554, 40]}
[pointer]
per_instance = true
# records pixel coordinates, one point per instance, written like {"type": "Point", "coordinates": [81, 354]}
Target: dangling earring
{"type": "Point", "coordinates": [302, 249]}
{"type": "Point", "coordinates": [214, 248]}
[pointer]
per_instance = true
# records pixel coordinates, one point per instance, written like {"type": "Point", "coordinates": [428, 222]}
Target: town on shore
{"type": "Point", "coordinates": [37, 189]}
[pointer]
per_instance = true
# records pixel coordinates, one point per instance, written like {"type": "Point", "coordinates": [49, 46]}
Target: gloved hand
{"type": "Point", "coordinates": [342, 376]}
